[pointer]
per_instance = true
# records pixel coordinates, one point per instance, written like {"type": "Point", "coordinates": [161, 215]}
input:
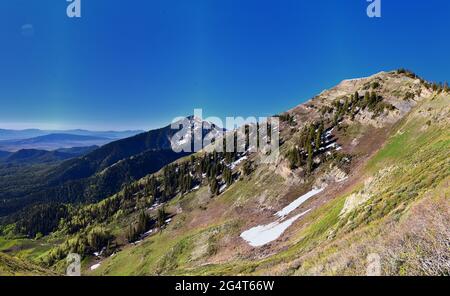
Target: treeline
{"type": "Point", "coordinates": [440, 87]}
{"type": "Point", "coordinates": [435, 86]}
{"type": "Point", "coordinates": [97, 239]}
{"type": "Point", "coordinates": [144, 223]}
{"type": "Point", "coordinates": [212, 169]}
{"type": "Point", "coordinates": [312, 135]}
{"type": "Point", "coordinates": [352, 105]}
{"type": "Point", "coordinates": [287, 117]}
{"type": "Point", "coordinates": [309, 143]}
{"type": "Point", "coordinates": [79, 190]}
{"type": "Point", "coordinates": [41, 219]}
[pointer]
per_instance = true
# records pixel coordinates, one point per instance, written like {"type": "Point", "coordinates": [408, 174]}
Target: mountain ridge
{"type": "Point", "coordinates": [31, 156]}
{"type": "Point", "coordinates": [103, 171]}
{"type": "Point", "coordinates": [202, 245]}
{"type": "Point", "coordinates": [363, 170]}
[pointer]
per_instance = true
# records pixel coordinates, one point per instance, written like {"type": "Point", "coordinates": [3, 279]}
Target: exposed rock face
{"type": "Point", "coordinates": [371, 184]}
{"type": "Point", "coordinates": [334, 175]}
{"type": "Point", "coordinates": [399, 90]}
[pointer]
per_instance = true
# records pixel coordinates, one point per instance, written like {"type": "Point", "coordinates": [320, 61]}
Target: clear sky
{"type": "Point", "coordinates": [140, 63]}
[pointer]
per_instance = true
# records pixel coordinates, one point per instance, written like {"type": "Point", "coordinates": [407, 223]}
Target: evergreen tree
{"type": "Point", "coordinates": [247, 168]}
{"type": "Point", "coordinates": [293, 158]}
{"type": "Point", "coordinates": [98, 238]}
{"type": "Point", "coordinates": [142, 223]}
{"type": "Point", "coordinates": [161, 217]}
{"type": "Point", "coordinates": [214, 186]}
{"type": "Point", "coordinates": [131, 234]}
{"type": "Point", "coordinates": [366, 100]}
{"type": "Point", "coordinates": [373, 100]}
{"type": "Point", "coordinates": [353, 111]}
{"type": "Point", "coordinates": [227, 176]}
{"type": "Point", "coordinates": [312, 133]}
{"type": "Point", "coordinates": [336, 119]}
{"type": "Point", "coordinates": [309, 163]}
{"type": "Point", "coordinates": [319, 133]}
{"type": "Point", "coordinates": [303, 138]}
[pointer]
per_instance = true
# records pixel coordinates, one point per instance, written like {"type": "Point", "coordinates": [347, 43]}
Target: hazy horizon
{"type": "Point", "coordinates": [57, 127]}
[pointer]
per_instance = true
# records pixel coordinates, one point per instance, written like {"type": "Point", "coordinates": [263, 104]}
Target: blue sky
{"type": "Point", "coordinates": [140, 63]}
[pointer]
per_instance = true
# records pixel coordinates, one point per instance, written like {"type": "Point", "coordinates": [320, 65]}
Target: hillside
{"type": "Point", "coordinates": [11, 266]}
{"type": "Point", "coordinates": [93, 176]}
{"type": "Point", "coordinates": [385, 192]}
{"type": "Point", "coordinates": [33, 156]}
{"type": "Point", "coordinates": [101, 159]}
{"type": "Point", "coordinates": [363, 175]}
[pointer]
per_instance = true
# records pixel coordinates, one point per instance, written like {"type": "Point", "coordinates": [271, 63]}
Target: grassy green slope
{"type": "Point", "coordinates": [403, 220]}
{"type": "Point", "coordinates": [193, 234]}
{"type": "Point", "coordinates": [13, 266]}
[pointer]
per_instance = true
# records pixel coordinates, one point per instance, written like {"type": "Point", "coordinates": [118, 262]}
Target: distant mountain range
{"type": "Point", "coordinates": [9, 134]}
{"type": "Point", "coordinates": [53, 142]}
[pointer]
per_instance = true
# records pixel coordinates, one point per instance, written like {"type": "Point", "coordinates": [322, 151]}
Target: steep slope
{"type": "Point", "coordinates": [100, 159]}
{"type": "Point", "coordinates": [383, 190]}
{"type": "Point", "coordinates": [34, 156]}
{"type": "Point", "coordinates": [78, 151]}
{"type": "Point", "coordinates": [11, 266]}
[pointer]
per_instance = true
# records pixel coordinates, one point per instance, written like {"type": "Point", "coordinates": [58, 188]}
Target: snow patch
{"type": "Point", "coordinates": [147, 233]}
{"type": "Point", "coordinates": [264, 234]}
{"type": "Point", "coordinates": [95, 266]}
{"type": "Point", "coordinates": [222, 188]}
{"type": "Point", "coordinates": [329, 132]}
{"type": "Point", "coordinates": [237, 162]}
{"type": "Point", "coordinates": [298, 202]}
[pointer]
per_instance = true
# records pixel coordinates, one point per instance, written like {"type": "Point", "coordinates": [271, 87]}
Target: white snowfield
{"type": "Point", "coordinates": [298, 202]}
{"type": "Point", "coordinates": [95, 266]}
{"type": "Point", "coordinates": [264, 234]}
{"type": "Point", "coordinates": [237, 162]}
